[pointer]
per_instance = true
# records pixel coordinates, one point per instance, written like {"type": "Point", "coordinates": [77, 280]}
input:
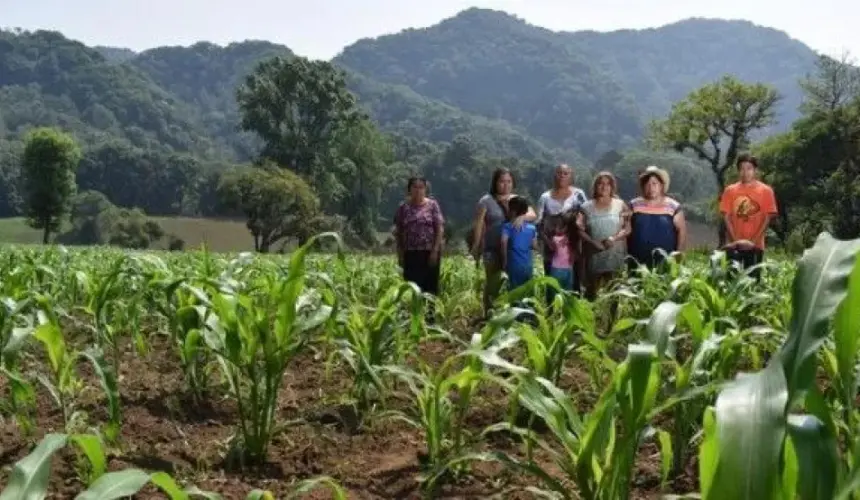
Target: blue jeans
{"type": "Point", "coordinates": [564, 276]}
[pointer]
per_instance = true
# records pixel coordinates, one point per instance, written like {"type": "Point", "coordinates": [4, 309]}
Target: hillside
{"type": "Point", "coordinates": [588, 90]}
{"type": "Point", "coordinates": [47, 79]}
{"type": "Point", "coordinates": [661, 65]}
{"type": "Point", "coordinates": [492, 64]}
{"type": "Point", "coordinates": [158, 126]}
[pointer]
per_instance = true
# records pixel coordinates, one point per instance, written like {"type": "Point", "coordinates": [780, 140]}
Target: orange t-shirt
{"type": "Point", "coordinates": [747, 207]}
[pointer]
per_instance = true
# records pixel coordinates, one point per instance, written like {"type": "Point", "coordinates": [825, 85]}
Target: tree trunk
{"type": "Point", "coordinates": [46, 233]}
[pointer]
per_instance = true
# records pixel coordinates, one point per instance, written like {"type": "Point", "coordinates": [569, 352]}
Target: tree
{"type": "Point", "coordinates": [365, 155]}
{"type": "Point", "coordinates": [715, 122]}
{"type": "Point", "coordinates": [297, 107]}
{"type": "Point", "coordinates": [277, 203]}
{"type": "Point", "coordinates": [50, 160]}
{"type": "Point", "coordinates": [834, 84]}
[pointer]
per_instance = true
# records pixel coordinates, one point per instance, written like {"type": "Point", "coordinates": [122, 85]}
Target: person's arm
{"type": "Point", "coordinates": [770, 209]}
{"type": "Point", "coordinates": [583, 233]}
{"type": "Point", "coordinates": [625, 230]}
{"type": "Point", "coordinates": [725, 207]}
{"type": "Point", "coordinates": [541, 208]}
{"type": "Point", "coordinates": [503, 250]}
{"type": "Point", "coordinates": [439, 222]}
{"type": "Point", "coordinates": [478, 230]}
{"type": "Point", "coordinates": [398, 234]}
{"type": "Point", "coordinates": [681, 229]}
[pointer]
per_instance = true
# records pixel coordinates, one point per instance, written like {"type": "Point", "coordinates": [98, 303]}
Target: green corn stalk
{"type": "Point", "coordinates": [64, 385]}
{"type": "Point", "coordinates": [755, 445]}
{"type": "Point", "coordinates": [441, 417]}
{"type": "Point", "coordinates": [254, 351]}
{"type": "Point", "coordinates": [371, 338]}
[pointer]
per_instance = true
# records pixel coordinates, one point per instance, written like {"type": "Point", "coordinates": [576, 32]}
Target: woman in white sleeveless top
{"type": "Point", "coordinates": [563, 197]}
{"type": "Point", "coordinates": [604, 223]}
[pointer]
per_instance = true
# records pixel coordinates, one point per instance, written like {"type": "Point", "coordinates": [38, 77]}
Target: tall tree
{"type": "Point", "coordinates": [835, 83]}
{"type": "Point", "coordinates": [50, 161]}
{"type": "Point", "coordinates": [276, 202]}
{"type": "Point", "coordinates": [365, 155]}
{"type": "Point", "coordinates": [715, 122]}
{"type": "Point", "coordinates": [297, 107]}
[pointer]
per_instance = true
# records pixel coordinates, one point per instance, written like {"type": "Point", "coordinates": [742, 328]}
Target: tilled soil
{"type": "Point", "coordinates": [162, 430]}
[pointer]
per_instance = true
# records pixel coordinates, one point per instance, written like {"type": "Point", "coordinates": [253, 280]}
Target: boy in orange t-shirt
{"type": "Point", "coordinates": [747, 207]}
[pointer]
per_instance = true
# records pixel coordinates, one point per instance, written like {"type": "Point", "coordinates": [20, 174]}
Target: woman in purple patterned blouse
{"type": "Point", "coordinates": [419, 232]}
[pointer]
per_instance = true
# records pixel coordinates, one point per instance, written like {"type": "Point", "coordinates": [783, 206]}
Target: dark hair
{"type": "Point", "coordinates": [647, 177]}
{"type": "Point", "coordinates": [413, 180]}
{"type": "Point", "coordinates": [612, 183]}
{"type": "Point", "coordinates": [517, 205]}
{"type": "Point", "coordinates": [497, 174]}
{"type": "Point", "coordinates": [744, 158]}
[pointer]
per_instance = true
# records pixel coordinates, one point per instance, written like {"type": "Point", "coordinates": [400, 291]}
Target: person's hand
{"type": "Point", "coordinates": [600, 245]}
{"type": "Point", "coordinates": [434, 256]}
{"type": "Point", "coordinates": [518, 222]}
{"type": "Point", "coordinates": [608, 242]}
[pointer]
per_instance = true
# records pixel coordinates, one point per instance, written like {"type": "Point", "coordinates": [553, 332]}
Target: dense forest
{"type": "Point", "coordinates": [161, 131]}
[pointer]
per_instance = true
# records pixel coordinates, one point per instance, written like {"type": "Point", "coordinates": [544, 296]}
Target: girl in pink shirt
{"type": "Point", "coordinates": [561, 265]}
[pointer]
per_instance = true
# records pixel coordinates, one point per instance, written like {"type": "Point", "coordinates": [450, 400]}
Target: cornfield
{"type": "Point", "coordinates": [195, 375]}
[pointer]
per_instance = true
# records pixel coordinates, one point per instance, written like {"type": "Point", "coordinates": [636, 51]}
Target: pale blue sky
{"type": "Point", "coordinates": [321, 28]}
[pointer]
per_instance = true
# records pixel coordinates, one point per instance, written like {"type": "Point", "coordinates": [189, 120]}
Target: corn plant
{"type": "Point", "coordinates": [372, 337]}
{"type": "Point", "coordinates": [438, 415]}
{"type": "Point", "coordinates": [596, 450]}
{"type": "Point", "coordinates": [256, 336]}
{"type": "Point", "coordinates": [64, 384]}
{"type": "Point", "coordinates": [756, 444]}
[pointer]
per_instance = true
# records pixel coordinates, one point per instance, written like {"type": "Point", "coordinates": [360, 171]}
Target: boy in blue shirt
{"type": "Point", "coordinates": [517, 244]}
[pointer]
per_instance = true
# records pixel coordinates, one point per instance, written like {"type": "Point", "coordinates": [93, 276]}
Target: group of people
{"type": "Point", "coordinates": [584, 241]}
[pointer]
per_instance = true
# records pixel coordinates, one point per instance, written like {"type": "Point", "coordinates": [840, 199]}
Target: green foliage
{"type": "Point", "coordinates": [49, 163]}
{"type": "Point", "coordinates": [276, 202]}
{"type": "Point", "coordinates": [96, 221]}
{"type": "Point", "coordinates": [298, 107]}
{"type": "Point", "coordinates": [715, 122]}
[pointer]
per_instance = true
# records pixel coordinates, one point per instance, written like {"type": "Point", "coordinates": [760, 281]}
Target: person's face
{"type": "Point", "coordinates": [418, 190]}
{"type": "Point", "coordinates": [563, 177]}
{"type": "Point", "coordinates": [505, 184]}
{"type": "Point", "coordinates": [747, 171]}
{"type": "Point", "coordinates": [604, 187]}
{"type": "Point", "coordinates": [653, 187]}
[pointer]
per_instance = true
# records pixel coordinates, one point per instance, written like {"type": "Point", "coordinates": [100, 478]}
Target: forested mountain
{"type": "Point", "coordinates": [157, 126]}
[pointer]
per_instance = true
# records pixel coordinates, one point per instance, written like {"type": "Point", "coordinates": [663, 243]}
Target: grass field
{"type": "Point", "coordinates": [233, 236]}
{"type": "Point", "coordinates": [163, 371]}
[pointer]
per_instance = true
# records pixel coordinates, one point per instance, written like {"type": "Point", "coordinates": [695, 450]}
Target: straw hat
{"type": "Point", "coordinates": [659, 172]}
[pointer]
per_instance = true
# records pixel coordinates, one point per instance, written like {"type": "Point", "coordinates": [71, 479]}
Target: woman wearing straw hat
{"type": "Point", "coordinates": [657, 221]}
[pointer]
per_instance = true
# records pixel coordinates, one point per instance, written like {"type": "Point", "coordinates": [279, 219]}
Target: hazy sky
{"type": "Point", "coordinates": [321, 28]}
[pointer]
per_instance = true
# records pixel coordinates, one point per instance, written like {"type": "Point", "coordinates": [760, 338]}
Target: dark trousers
{"type": "Point", "coordinates": [418, 269]}
{"type": "Point", "coordinates": [748, 259]}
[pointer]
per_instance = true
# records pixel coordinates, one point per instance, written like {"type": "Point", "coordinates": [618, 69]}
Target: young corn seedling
{"type": "Point", "coordinates": [370, 338]}
{"type": "Point", "coordinates": [441, 416]}
{"type": "Point", "coordinates": [254, 350]}
{"type": "Point", "coordinates": [597, 450]}
{"type": "Point", "coordinates": [64, 384]}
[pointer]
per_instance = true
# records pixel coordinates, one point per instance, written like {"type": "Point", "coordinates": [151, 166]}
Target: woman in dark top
{"type": "Point", "coordinates": [656, 222]}
{"type": "Point", "coordinates": [490, 215]}
{"type": "Point", "coordinates": [419, 232]}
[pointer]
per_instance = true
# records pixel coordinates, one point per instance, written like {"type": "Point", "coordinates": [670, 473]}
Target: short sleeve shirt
{"type": "Point", "coordinates": [747, 206]}
{"type": "Point", "coordinates": [493, 220]}
{"type": "Point", "coordinates": [418, 223]}
{"type": "Point", "coordinates": [547, 205]}
{"type": "Point", "coordinates": [520, 245]}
